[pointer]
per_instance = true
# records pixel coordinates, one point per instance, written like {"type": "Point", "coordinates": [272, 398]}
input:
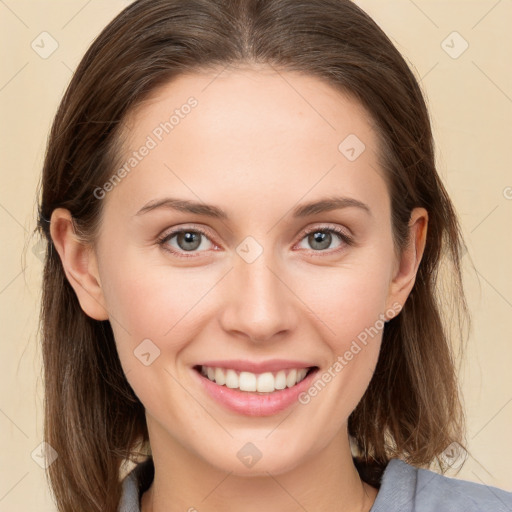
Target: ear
{"type": "Point", "coordinates": [407, 265]}
{"type": "Point", "coordinates": [79, 263]}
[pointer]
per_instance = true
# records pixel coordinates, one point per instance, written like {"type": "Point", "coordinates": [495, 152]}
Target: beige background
{"type": "Point", "coordinates": [471, 108]}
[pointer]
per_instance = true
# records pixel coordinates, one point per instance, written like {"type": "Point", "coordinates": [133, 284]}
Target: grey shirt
{"type": "Point", "coordinates": [403, 488]}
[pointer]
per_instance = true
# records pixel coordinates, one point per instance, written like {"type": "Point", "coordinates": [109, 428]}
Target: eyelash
{"type": "Point", "coordinates": [162, 241]}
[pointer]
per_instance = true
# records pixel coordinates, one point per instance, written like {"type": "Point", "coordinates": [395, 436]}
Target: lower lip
{"type": "Point", "coordinates": [253, 404]}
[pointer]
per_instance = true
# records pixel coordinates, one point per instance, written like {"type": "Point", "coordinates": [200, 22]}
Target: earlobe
{"type": "Point", "coordinates": [79, 263]}
{"type": "Point", "coordinates": [407, 268]}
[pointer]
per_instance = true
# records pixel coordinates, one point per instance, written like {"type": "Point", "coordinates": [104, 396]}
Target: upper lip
{"type": "Point", "coordinates": [273, 365]}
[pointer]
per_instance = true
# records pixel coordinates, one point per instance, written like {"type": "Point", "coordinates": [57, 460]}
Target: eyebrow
{"type": "Point", "coordinates": [319, 206]}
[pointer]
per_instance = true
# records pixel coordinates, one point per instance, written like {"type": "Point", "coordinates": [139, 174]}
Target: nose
{"type": "Point", "coordinates": [260, 306]}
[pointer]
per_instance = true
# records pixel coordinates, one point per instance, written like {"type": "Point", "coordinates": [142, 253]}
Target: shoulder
{"type": "Point", "coordinates": [134, 484]}
{"type": "Point", "coordinates": [405, 488]}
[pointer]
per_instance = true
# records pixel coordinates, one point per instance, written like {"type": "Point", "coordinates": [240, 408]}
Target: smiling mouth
{"type": "Point", "coordinates": [264, 383]}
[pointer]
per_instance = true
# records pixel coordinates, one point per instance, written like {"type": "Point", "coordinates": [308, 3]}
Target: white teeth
{"type": "Point", "coordinates": [291, 378]}
{"type": "Point", "coordinates": [247, 381]}
{"type": "Point", "coordinates": [220, 377]}
{"type": "Point", "coordinates": [265, 383]}
{"type": "Point", "coordinates": [280, 380]}
{"type": "Point", "coordinates": [231, 379]}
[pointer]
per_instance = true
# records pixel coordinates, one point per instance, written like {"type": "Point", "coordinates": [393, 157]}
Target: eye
{"type": "Point", "coordinates": [186, 240]}
{"type": "Point", "coordinates": [191, 240]}
{"type": "Point", "coordinates": [320, 238]}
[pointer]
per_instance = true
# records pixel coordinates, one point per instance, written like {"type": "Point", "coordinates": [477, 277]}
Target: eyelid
{"type": "Point", "coordinates": [326, 227]}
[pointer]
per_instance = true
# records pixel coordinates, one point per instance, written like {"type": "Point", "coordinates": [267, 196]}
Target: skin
{"type": "Point", "coordinates": [258, 144]}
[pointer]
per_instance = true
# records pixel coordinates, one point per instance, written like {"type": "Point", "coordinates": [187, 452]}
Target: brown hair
{"type": "Point", "coordinates": [93, 419]}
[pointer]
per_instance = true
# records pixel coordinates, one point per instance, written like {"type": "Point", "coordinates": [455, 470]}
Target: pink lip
{"type": "Point", "coordinates": [255, 404]}
{"type": "Point", "coordinates": [273, 365]}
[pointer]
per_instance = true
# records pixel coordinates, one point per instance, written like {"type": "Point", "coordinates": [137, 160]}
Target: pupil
{"type": "Point", "coordinates": [191, 240]}
{"type": "Point", "coordinates": [323, 239]}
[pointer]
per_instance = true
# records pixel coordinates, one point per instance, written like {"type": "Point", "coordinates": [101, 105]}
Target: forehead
{"type": "Point", "coordinates": [226, 97]}
{"type": "Point", "coordinates": [247, 131]}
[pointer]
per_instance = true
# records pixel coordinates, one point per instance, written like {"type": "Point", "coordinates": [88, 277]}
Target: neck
{"type": "Point", "coordinates": [327, 481]}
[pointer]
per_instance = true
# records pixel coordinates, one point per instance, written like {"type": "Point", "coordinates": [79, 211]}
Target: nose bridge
{"type": "Point", "coordinates": [261, 304]}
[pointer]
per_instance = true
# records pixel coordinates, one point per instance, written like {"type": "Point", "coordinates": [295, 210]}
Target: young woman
{"type": "Point", "coordinates": [241, 291]}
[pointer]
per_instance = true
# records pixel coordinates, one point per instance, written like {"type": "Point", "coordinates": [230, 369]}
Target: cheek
{"type": "Point", "coordinates": [349, 306]}
{"type": "Point", "coordinates": [348, 299]}
{"type": "Point", "coordinates": [156, 302]}
{"type": "Point", "coordinates": [146, 293]}
{"type": "Point", "coordinates": [154, 317]}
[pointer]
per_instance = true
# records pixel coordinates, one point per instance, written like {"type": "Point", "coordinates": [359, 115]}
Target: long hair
{"type": "Point", "coordinates": [411, 408]}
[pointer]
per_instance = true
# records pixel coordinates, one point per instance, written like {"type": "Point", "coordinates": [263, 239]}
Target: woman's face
{"type": "Point", "coordinates": [234, 276]}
